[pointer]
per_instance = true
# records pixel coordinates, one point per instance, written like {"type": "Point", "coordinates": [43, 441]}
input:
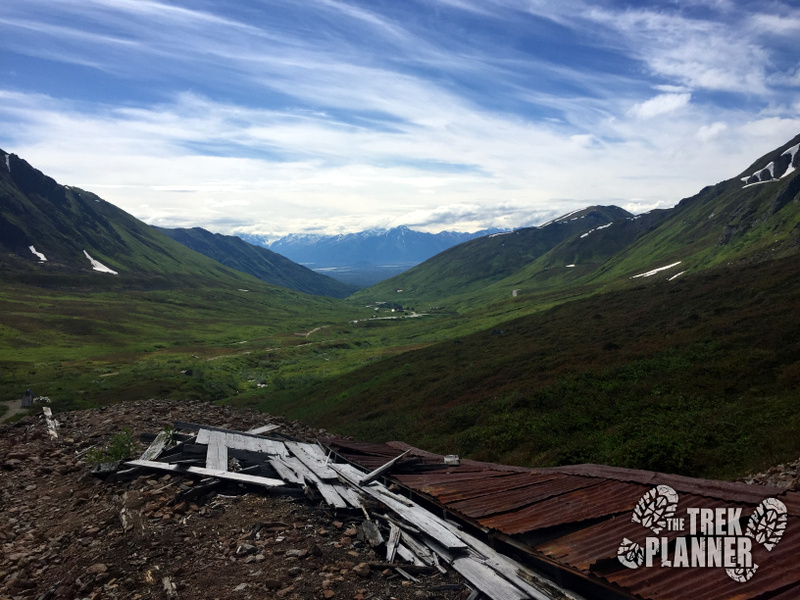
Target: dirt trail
{"type": "Point", "coordinates": [14, 408]}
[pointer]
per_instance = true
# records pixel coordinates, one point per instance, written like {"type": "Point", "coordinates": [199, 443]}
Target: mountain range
{"type": "Point", "coordinates": [751, 217]}
{"type": "Point", "coordinates": [668, 341]}
{"type": "Point", "coordinates": [259, 262]}
{"type": "Point", "coordinates": [52, 232]}
{"type": "Point", "coordinates": [366, 257]}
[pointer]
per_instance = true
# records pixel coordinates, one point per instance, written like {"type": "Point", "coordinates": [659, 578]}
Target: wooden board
{"type": "Point", "coordinates": [421, 518]}
{"type": "Point", "coordinates": [241, 441]}
{"type": "Point", "coordinates": [156, 446]}
{"type": "Point", "coordinates": [328, 491]}
{"type": "Point", "coordinates": [285, 471]}
{"type": "Point", "coordinates": [263, 429]}
{"type": "Point", "coordinates": [217, 453]}
{"type": "Point", "coordinates": [266, 482]}
{"type": "Point", "coordinates": [312, 457]}
{"type": "Point", "coordinates": [384, 468]}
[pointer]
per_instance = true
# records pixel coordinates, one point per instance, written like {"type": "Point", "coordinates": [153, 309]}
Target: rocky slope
{"type": "Point", "coordinates": [66, 534]}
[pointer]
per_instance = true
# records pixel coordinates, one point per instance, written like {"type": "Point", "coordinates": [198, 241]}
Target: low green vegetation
{"type": "Point", "coordinates": [696, 376]}
{"type": "Point", "coordinates": [121, 446]}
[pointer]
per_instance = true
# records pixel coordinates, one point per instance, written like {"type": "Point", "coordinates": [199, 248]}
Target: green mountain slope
{"type": "Point", "coordinates": [50, 233]}
{"type": "Point", "coordinates": [666, 341]}
{"type": "Point", "coordinates": [170, 323]}
{"type": "Point", "coordinates": [729, 221]}
{"type": "Point", "coordinates": [480, 262]}
{"type": "Point", "coordinates": [751, 217]}
{"type": "Point", "coordinates": [258, 261]}
{"type": "Point", "coordinates": [698, 376]}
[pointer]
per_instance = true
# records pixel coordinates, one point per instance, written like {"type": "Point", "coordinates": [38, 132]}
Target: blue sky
{"type": "Point", "coordinates": [271, 116]}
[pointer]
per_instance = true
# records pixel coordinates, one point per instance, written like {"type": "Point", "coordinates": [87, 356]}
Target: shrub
{"type": "Point", "coordinates": [120, 447]}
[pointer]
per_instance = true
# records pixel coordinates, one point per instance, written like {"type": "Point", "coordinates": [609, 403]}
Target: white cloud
{"type": "Point", "coordinates": [660, 105]}
{"type": "Point", "coordinates": [709, 132]}
{"type": "Point", "coordinates": [364, 119]}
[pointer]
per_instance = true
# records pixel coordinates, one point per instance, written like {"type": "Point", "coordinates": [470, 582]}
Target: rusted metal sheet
{"type": "Point", "coordinates": [446, 486]}
{"type": "Point", "coordinates": [790, 593]}
{"type": "Point", "coordinates": [589, 545]}
{"type": "Point", "coordinates": [514, 500]}
{"type": "Point", "coordinates": [585, 511]}
{"type": "Point", "coordinates": [792, 502]}
{"type": "Point", "coordinates": [505, 491]}
{"type": "Point", "coordinates": [604, 498]}
{"type": "Point", "coordinates": [722, 490]}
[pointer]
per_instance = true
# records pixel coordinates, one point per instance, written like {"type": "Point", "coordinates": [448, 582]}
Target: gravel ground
{"type": "Point", "coordinates": [66, 534]}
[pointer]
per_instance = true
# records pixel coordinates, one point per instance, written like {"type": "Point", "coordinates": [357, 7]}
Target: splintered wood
{"type": "Point", "coordinates": [413, 534]}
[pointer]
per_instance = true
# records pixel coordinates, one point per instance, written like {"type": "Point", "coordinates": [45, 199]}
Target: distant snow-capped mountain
{"type": "Point", "coordinates": [365, 257]}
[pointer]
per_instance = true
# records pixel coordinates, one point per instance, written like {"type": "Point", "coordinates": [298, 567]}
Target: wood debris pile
{"type": "Point", "coordinates": [66, 534]}
{"type": "Point", "coordinates": [412, 539]}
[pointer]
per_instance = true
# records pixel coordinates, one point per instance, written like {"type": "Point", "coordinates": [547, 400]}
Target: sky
{"type": "Point", "coordinates": [270, 117]}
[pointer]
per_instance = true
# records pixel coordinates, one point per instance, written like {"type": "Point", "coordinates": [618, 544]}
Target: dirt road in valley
{"type": "Point", "coordinates": [14, 408]}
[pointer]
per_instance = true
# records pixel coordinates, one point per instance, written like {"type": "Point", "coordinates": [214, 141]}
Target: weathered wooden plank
{"type": "Point", "coordinates": [241, 441]}
{"type": "Point", "coordinates": [312, 457]}
{"type": "Point", "coordinates": [373, 475]}
{"type": "Point", "coordinates": [266, 482]}
{"type": "Point", "coordinates": [217, 453]}
{"type": "Point", "coordinates": [350, 495]}
{"type": "Point", "coordinates": [200, 450]}
{"type": "Point", "coordinates": [432, 525]}
{"type": "Point", "coordinates": [394, 540]}
{"type": "Point", "coordinates": [372, 534]}
{"type": "Point", "coordinates": [406, 574]}
{"type": "Point", "coordinates": [327, 491]}
{"type": "Point", "coordinates": [421, 552]}
{"type": "Point", "coordinates": [408, 556]}
{"type": "Point", "coordinates": [156, 446]}
{"type": "Point", "coordinates": [537, 587]}
{"type": "Point", "coordinates": [487, 580]}
{"type": "Point", "coordinates": [263, 429]}
{"type": "Point", "coordinates": [285, 471]}
{"type": "Point", "coordinates": [52, 424]}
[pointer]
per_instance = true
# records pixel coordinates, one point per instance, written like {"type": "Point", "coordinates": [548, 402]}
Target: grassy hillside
{"type": "Point", "coordinates": [698, 376]}
{"type": "Point", "coordinates": [87, 347]}
{"type": "Point", "coordinates": [170, 322]}
{"type": "Point", "coordinates": [259, 262]}
{"type": "Point", "coordinates": [480, 262]}
{"type": "Point", "coordinates": [722, 223]}
{"type": "Point", "coordinates": [62, 223]}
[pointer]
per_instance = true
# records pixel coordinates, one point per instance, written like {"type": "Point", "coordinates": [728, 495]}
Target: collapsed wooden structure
{"type": "Point", "coordinates": [416, 538]}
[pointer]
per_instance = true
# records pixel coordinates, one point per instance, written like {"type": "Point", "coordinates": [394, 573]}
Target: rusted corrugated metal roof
{"type": "Point", "coordinates": [575, 518]}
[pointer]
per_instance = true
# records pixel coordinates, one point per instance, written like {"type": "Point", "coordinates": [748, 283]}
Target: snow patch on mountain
{"type": "Point", "coordinates": [98, 266]}
{"type": "Point", "coordinates": [596, 229]}
{"type": "Point", "coordinates": [39, 254]}
{"type": "Point", "coordinates": [654, 271]}
{"type": "Point", "coordinates": [8, 162]}
{"type": "Point", "coordinates": [786, 164]}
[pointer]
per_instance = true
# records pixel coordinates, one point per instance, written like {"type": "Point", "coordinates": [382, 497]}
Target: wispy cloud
{"type": "Point", "coordinates": [446, 113]}
{"type": "Point", "coordinates": [660, 105]}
